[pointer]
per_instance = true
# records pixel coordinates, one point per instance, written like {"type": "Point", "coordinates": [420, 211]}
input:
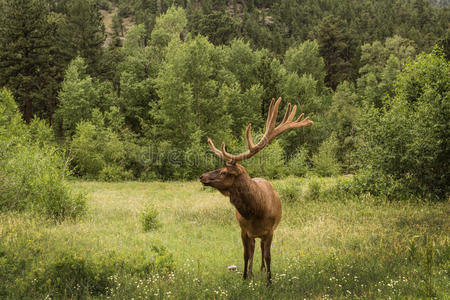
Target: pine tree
{"type": "Point", "coordinates": [337, 47]}
{"type": "Point", "coordinates": [24, 54]}
{"type": "Point", "coordinates": [83, 33]}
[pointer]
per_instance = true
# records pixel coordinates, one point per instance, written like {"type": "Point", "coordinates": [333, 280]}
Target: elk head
{"type": "Point", "coordinates": [223, 179]}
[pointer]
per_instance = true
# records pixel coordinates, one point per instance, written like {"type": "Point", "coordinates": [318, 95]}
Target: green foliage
{"type": "Point", "coordinates": [189, 85]}
{"type": "Point", "coordinates": [243, 62]}
{"type": "Point", "coordinates": [24, 50]}
{"type": "Point", "coordinates": [32, 170]}
{"type": "Point", "coordinates": [79, 95]}
{"type": "Point", "coordinates": [268, 163]}
{"type": "Point", "coordinates": [139, 66]}
{"type": "Point", "coordinates": [32, 180]}
{"type": "Point", "coordinates": [172, 73]}
{"type": "Point", "coordinates": [12, 128]}
{"type": "Point", "coordinates": [298, 164]}
{"type": "Point", "coordinates": [98, 150]}
{"type": "Point", "coordinates": [289, 189]}
{"type": "Point", "coordinates": [83, 33]}
{"type": "Point", "coordinates": [337, 47]}
{"type": "Point", "coordinates": [341, 118]}
{"type": "Point", "coordinates": [243, 107]}
{"type": "Point", "coordinates": [407, 140]}
{"type": "Point", "coordinates": [382, 185]}
{"type": "Point", "coordinates": [149, 219]}
{"type": "Point", "coordinates": [114, 173]}
{"type": "Point", "coordinates": [325, 161]}
{"type": "Point", "coordinates": [313, 192]}
{"type": "Point", "coordinates": [219, 27]}
{"type": "Point", "coordinates": [305, 59]}
{"type": "Point", "coordinates": [169, 26]}
{"type": "Point", "coordinates": [381, 63]}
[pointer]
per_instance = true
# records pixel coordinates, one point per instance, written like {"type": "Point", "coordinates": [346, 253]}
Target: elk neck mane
{"type": "Point", "coordinates": [246, 196]}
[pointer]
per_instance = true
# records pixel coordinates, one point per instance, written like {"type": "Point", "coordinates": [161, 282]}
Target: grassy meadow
{"type": "Point", "coordinates": [324, 248]}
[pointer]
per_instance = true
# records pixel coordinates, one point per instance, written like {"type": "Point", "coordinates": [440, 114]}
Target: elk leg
{"type": "Point", "coordinates": [245, 242]}
{"type": "Point", "coordinates": [263, 266]}
{"type": "Point", "coordinates": [251, 249]}
{"type": "Point", "coordinates": [267, 240]}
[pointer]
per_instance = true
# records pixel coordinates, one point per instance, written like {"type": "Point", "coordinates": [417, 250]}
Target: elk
{"type": "Point", "coordinates": [258, 206]}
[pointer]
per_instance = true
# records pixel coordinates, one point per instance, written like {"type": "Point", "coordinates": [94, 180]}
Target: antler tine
{"type": "Point", "coordinates": [300, 118]}
{"type": "Point", "coordinates": [292, 115]}
{"type": "Point", "coordinates": [287, 113]}
{"type": "Point", "coordinates": [228, 156]}
{"type": "Point", "coordinates": [269, 113]}
{"type": "Point", "coordinates": [214, 149]}
{"type": "Point", "coordinates": [250, 143]}
{"type": "Point", "coordinates": [273, 115]}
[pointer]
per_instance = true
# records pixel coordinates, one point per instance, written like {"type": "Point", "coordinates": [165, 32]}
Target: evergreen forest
{"type": "Point", "coordinates": [131, 89]}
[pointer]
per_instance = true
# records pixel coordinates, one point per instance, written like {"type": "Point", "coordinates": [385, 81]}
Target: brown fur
{"type": "Point", "coordinates": [258, 209]}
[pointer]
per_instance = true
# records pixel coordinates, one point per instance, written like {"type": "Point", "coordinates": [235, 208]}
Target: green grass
{"type": "Point", "coordinates": [323, 248]}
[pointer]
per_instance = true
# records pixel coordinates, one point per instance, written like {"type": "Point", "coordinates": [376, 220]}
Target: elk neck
{"type": "Point", "coordinates": [246, 196]}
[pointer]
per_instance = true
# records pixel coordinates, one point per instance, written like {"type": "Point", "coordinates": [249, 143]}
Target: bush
{"type": "Point", "coordinates": [70, 276]}
{"type": "Point", "coordinates": [290, 189]}
{"type": "Point", "coordinates": [298, 164]}
{"type": "Point", "coordinates": [33, 178]}
{"type": "Point", "coordinates": [149, 219]}
{"type": "Point", "coordinates": [31, 169]}
{"type": "Point", "coordinates": [313, 192]}
{"type": "Point", "coordinates": [381, 185]}
{"type": "Point", "coordinates": [98, 152]}
{"type": "Point", "coordinates": [325, 162]}
{"type": "Point", "coordinates": [406, 142]}
{"type": "Point", "coordinates": [114, 173]}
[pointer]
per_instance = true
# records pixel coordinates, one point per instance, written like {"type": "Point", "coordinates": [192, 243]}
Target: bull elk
{"type": "Point", "coordinates": [258, 206]}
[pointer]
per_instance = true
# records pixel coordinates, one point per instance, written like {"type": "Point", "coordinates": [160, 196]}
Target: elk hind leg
{"type": "Point", "coordinates": [263, 266]}
{"type": "Point", "coordinates": [267, 240]}
{"type": "Point", "coordinates": [249, 249]}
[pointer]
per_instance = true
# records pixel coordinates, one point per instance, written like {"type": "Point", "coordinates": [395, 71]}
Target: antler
{"type": "Point", "coordinates": [271, 132]}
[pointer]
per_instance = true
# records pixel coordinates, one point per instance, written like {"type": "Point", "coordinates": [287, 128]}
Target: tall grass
{"type": "Point", "coordinates": [325, 247]}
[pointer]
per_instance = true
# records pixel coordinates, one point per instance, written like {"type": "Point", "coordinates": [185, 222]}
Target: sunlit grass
{"type": "Point", "coordinates": [362, 248]}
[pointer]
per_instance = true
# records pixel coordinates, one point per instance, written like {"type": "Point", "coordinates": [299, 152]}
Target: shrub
{"type": "Point", "coordinates": [406, 141]}
{"type": "Point", "coordinates": [114, 173]}
{"type": "Point", "coordinates": [98, 152]}
{"type": "Point", "coordinates": [289, 189]}
{"type": "Point", "coordinates": [298, 164]}
{"type": "Point", "coordinates": [381, 185]}
{"type": "Point", "coordinates": [325, 162]}
{"type": "Point", "coordinates": [41, 133]}
{"type": "Point", "coordinates": [31, 169]}
{"type": "Point", "coordinates": [313, 192]}
{"type": "Point", "coordinates": [149, 219]}
{"type": "Point", "coordinates": [70, 276]}
{"type": "Point", "coordinates": [34, 179]}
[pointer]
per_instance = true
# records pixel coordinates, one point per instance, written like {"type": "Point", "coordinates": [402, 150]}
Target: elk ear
{"type": "Point", "coordinates": [232, 169]}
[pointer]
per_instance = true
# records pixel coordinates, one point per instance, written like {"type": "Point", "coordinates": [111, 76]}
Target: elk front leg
{"type": "Point", "coordinates": [249, 250]}
{"type": "Point", "coordinates": [267, 240]}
